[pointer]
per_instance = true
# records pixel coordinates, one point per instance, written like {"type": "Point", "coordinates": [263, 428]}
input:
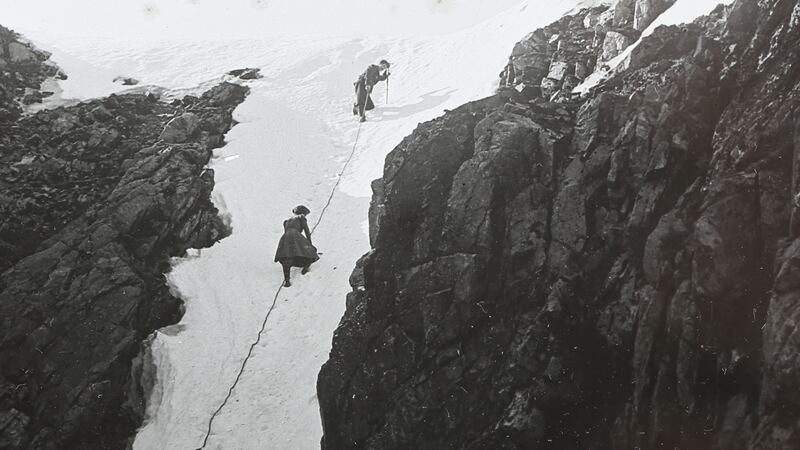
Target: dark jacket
{"type": "Point", "coordinates": [373, 75]}
{"type": "Point", "coordinates": [364, 85]}
{"type": "Point", "coordinates": [293, 247]}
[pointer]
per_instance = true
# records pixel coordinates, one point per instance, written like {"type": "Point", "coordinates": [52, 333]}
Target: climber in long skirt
{"type": "Point", "coordinates": [294, 249]}
{"type": "Point", "coordinates": [364, 84]}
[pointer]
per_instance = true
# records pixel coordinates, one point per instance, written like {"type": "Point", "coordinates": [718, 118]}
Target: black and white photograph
{"type": "Point", "coordinates": [400, 225]}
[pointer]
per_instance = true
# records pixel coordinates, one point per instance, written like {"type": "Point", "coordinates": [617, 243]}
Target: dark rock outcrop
{"type": "Point", "coordinates": [23, 68]}
{"type": "Point", "coordinates": [638, 14]}
{"type": "Point", "coordinates": [246, 74]}
{"type": "Point", "coordinates": [95, 199]}
{"type": "Point", "coordinates": [618, 271]}
{"type": "Point", "coordinates": [552, 60]}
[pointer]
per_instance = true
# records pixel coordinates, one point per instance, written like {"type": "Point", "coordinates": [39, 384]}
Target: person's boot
{"type": "Point", "coordinates": [286, 283]}
{"type": "Point", "coordinates": [363, 119]}
{"type": "Point", "coordinates": [305, 270]}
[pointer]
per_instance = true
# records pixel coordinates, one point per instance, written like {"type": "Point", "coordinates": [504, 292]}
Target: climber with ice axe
{"type": "Point", "coordinates": [366, 81]}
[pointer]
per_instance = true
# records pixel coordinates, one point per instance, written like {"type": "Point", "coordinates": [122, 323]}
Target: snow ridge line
{"type": "Point", "coordinates": [275, 299]}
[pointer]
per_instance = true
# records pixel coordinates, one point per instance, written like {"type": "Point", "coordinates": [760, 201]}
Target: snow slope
{"type": "Point", "coordinates": [295, 134]}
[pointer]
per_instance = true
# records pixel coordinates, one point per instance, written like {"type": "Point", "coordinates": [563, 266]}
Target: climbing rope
{"type": "Point", "coordinates": [275, 299]}
{"type": "Point", "coordinates": [338, 179]}
{"type": "Point", "coordinates": [241, 369]}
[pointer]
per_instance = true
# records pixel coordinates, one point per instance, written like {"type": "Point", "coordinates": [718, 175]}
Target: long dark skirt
{"type": "Point", "coordinates": [363, 99]}
{"type": "Point", "coordinates": [295, 250]}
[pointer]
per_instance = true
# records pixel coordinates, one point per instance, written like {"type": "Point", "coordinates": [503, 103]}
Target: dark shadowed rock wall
{"type": "Point", "coordinates": [617, 271]}
{"type": "Point", "coordinates": [95, 199]}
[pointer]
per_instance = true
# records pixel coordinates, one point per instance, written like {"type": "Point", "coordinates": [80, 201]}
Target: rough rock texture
{"type": "Point", "coordinates": [552, 60]}
{"type": "Point", "coordinates": [93, 205]}
{"type": "Point", "coordinates": [23, 68]}
{"type": "Point", "coordinates": [613, 44]}
{"type": "Point", "coordinates": [639, 13]}
{"type": "Point", "coordinates": [246, 74]}
{"type": "Point", "coordinates": [618, 271]}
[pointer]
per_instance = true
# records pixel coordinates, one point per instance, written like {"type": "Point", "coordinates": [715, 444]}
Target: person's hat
{"type": "Point", "coordinates": [384, 63]}
{"type": "Point", "coordinates": [300, 209]}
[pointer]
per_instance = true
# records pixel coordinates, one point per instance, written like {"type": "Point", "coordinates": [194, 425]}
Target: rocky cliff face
{"type": "Point", "coordinates": [614, 271]}
{"type": "Point", "coordinates": [95, 198]}
{"type": "Point", "coordinates": [23, 68]}
{"type": "Point", "coordinates": [552, 60]}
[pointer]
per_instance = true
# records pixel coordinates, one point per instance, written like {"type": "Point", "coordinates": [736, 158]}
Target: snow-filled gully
{"type": "Point", "coordinates": [275, 299]}
{"type": "Point", "coordinates": [220, 382]}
